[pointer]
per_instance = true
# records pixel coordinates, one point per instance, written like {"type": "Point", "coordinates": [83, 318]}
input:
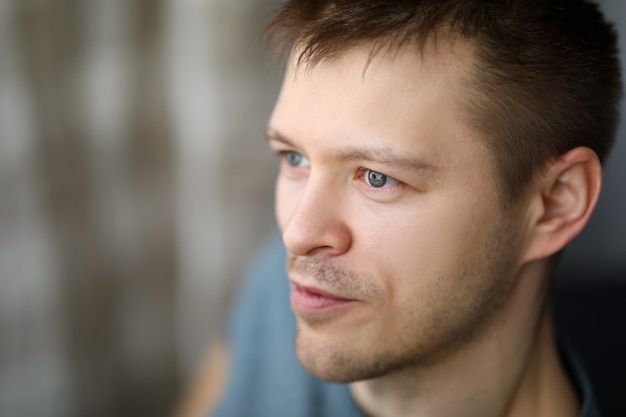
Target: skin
{"type": "Point", "coordinates": [446, 290]}
{"type": "Point", "coordinates": [448, 266]}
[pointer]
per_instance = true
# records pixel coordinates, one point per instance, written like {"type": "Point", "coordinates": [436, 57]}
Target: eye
{"type": "Point", "coordinates": [296, 159]}
{"type": "Point", "coordinates": [378, 180]}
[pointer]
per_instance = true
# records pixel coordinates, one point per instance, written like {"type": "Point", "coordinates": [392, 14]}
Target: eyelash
{"type": "Point", "coordinates": [364, 172]}
{"type": "Point", "coordinates": [285, 156]}
{"type": "Point", "coordinates": [361, 174]}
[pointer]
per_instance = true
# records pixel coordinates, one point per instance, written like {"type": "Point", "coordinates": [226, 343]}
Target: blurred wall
{"type": "Point", "coordinates": [134, 183]}
{"type": "Point", "coordinates": [134, 180]}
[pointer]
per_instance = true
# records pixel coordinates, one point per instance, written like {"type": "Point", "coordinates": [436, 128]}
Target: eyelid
{"type": "Point", "coordinates": [368, 172]}
{"type": "Point", "coordinates": [364, 170]}
{"type": "Point", "coordinates": [380, 191]}
{"type": "Point", "coordinates": [281, 148]}
{"type": "Point", "coordinates": [277, 147]}
{"type": "Point", "coordinates": [304, 161]}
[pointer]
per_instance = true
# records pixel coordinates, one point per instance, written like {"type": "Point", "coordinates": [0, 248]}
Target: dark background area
{"type": "Point", "coordinates": [592, 317]}
{"type": "Point", "coordinates": [590, 297]}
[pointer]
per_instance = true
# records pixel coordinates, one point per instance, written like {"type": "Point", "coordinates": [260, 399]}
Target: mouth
{"type": "Point", "coordinates": [311, 300]}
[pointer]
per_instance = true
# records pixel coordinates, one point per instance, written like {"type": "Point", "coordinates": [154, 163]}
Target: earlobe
{"type": "Point", "coordinates": [569, 191]}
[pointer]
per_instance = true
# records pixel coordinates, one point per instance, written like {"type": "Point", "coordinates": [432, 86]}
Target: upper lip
{"type": "Point", "coordinates": [317, 290]}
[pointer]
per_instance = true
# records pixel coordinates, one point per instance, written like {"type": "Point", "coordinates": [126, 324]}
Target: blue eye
{"type": "Point", "coordinates": [296, 159]}
{"type": "Point", "coordinates": [378, 180]}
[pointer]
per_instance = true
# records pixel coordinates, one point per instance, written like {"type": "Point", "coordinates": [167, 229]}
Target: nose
{"type": "Point", "coordinates": [316, 225]}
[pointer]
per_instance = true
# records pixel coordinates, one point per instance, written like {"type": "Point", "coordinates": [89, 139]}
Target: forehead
{"type": "Point", "coordinates": [406, 99]}
{"type": "Point", "coordinates": [399, 75]}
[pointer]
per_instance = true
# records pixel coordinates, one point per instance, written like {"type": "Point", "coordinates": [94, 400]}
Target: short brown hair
{"type": "Point", "coordinates": [547, 78]}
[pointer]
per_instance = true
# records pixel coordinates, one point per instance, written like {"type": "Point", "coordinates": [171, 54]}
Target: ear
{"type": "Point", "coordinates": [564, 198]}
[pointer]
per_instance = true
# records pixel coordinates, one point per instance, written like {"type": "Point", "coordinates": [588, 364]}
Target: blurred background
{"type": "Point", "coordinates": [134, 184]}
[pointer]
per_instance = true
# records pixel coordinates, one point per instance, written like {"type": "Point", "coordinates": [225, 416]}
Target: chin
{"type": "Point", "coordinates": [334, 369]}
{"type": "Point", "coordinates": [342, 362]}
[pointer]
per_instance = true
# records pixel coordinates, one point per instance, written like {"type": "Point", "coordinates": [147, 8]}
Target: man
{"type": "Point", "coordinates": [436, 157]}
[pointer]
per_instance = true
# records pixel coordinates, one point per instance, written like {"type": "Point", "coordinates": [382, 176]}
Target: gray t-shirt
{"type": "Point", "coordinates": [266, 378]}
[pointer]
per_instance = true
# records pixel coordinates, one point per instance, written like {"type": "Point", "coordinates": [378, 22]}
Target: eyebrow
{"type": "Point", "coordinates": [384, 156]}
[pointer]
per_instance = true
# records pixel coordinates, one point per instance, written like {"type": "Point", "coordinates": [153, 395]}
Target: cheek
{"type": "Point", "coordinates": [423, 248]}
{"type": "Point", "coordinates": [286, 199]}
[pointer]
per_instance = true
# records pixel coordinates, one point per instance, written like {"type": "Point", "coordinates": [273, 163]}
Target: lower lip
{"type": "Point", "coordinates": [310, 302]}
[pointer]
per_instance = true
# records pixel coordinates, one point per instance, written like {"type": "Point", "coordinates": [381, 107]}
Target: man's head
{"type": "Point", "coordinates": [546, 76]}
{"type": "Point", "coordinates": [435, 154]}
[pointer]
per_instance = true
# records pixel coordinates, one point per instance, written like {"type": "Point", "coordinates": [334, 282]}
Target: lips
{"type": "Point", "coordinates": [313, 300]}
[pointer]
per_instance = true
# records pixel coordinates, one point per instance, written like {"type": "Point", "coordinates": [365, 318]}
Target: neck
{"type": "Point", "coordinates": [511, 370]}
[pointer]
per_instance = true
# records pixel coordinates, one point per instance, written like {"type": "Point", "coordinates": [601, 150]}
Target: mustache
{"type": "Point", "coordinates": [337, 278]}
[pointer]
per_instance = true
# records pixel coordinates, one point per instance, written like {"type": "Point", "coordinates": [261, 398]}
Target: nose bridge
{"type": "Point", "coordinates": [317, 223]}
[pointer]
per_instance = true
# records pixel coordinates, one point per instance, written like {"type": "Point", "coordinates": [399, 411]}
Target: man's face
{"type": "Point", "coordinates": [399, 253]}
